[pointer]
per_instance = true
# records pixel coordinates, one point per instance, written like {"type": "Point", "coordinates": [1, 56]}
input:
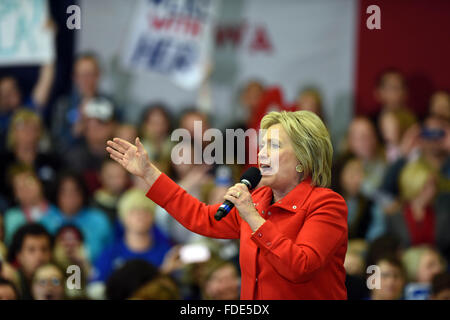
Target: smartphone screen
{"type": "Point", "coordinates": [193, 253]}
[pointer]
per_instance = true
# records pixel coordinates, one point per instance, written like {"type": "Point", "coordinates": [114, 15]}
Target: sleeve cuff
{"type": "Point", "coordinates": [266, 236]}
{"type": "Point", "coordinates": [162, 190]}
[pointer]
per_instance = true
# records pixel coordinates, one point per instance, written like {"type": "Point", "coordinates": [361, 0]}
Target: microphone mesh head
{"type": "Point", "coordinates": [252, 175]}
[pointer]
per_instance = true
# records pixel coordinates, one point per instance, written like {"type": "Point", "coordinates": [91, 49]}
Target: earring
{"type": "Point", "coordinates": [299, 168]}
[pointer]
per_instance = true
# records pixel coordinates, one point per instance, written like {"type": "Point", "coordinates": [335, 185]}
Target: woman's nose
{"type": "Point", "coordinates": [263, 154]}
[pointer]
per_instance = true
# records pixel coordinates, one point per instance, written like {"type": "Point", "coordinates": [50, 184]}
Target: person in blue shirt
{"type": "Point", "coordinates": [141, 239]}
{"type": "Point", "coordinates": [32, 204]}
{"type": "Point", "coordinates": [73, 209]}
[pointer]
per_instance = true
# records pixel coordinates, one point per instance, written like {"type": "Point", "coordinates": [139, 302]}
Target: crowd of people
{"type": "Point", "coordinates": [64, 203]}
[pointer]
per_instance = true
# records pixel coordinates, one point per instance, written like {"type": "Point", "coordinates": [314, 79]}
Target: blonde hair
{"type": "Point", "coordinates": [135, 199]}
{"type": "Point", "coordinates": [413, 178]}
{"type": "Point", "coordinates": [412, 256]}
{"type": "Point", "coordinates": [311, 142]}
{"type": "Point", "coordinates": [21, 116]}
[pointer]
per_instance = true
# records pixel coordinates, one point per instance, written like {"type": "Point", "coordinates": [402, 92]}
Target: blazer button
{"type": "Point", "coordinates": [263, 212]}
{"type": "Point", "coordinates": [259, 234]}
{"type": "Point", "coordinates": [268, 243]}
{"type": "Point", "coordinates": [294, 207]}
{"type": "Point", "coordinates": [269, 213]}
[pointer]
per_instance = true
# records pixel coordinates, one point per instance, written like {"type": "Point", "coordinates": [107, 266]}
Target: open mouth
{"type": "Point", "coordinates": [265, 168]}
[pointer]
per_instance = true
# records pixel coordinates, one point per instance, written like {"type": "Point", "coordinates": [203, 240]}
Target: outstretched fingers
{"type": "Point", "coordinates": [123, 143]}
{"type": "Point", "coordinates": [116, 146]}
{"type": "Point", "coordinates": [115, 153]}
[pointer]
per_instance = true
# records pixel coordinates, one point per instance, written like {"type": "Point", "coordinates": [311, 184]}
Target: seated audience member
{"type": "Point", "coordinates": [32, 204]}
{"type": "Point", "coordinates": [219, 280]}
{"type": "Point", "coordinates": [31, 247]}
{"type": "Point", "coordinates": [362, 143]}
{"type": "Point", "coordinates": [25, 135]}
{"type": "Point", "coordinates": [155, 131]}
{"type": "Point", "coordinates": [48, 283]}
{"type": "Point", "coordinates": [422, 264]}
{"type": "Point", "coordinates": [68, 120]}
{"type": "Point", "coordinates": [69, 250]}
{"type": "Point", "coordinates": [73, 209]}
{"type": "Point", "coordinates": [310, 99]}
{"type": "Point", "coordinates": [127, 279]}
{"type": "Point", "coordinates": [354, 265]}
{"type": "Point", "coordinates": [392, 125]}
{"type": "Point", "coordinates": [392, 279]}
{"type": "Point", "coordinates": [87, 156]}
{"type": "Point", "coordinates": [160, 288]}
{"type": "Point", "coordinates": [365, 217]}
{"type": "Point", "coordinates": [114, 181]}
{"type": "Point", "coordinates": [391, 93]}
{"type": "Point", "coordinates": [440, 287]}
{"type": "Point", "coordinates": [141, 239]}
{"type": "Point", "coordinates": [424, 217]}
{"type": "Point", "coordinates": [440, 105]}
{"type": "Point", "coordinates": [8, 290]}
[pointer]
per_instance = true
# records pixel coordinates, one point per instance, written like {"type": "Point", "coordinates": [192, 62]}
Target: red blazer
{"type": "Point", "coordinates": [298, 253]}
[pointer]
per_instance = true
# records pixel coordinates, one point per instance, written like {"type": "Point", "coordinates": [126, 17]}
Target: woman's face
{"type": "Point", "coordinates": [429, 266]}
{"type": "Point", "coordinates": [440, 105]}
{"type": "Point", "coordinates": [86, 76]}
{"type": "Point", "coordinates": [362, 139]}
{"type": "Point", "coordinates": [69, 240]}
{"type": "Point", "coordinates": [308, 102]}
{"type": "Point", "coordinates": [138, 220]}
{"type": "Point", "coordinates": [27, 189]}
{"type": "Point", "coordinates": [114, 177]}
{"type": "Point", "coordinates": [70, 199]}
{"type": "Point", "coordinates": [156, 125]}
{"type": "Point", "coordinates": [251, 96]}
{"type": "Point", "coordinates": [277, 160]}
{"type": "Point", "coordinates": [27, 133]}
{"type": "Point", "coordinates": [352, 177]}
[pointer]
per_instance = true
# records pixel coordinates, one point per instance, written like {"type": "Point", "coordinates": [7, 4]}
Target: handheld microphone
{"type": "Point", "coordinates": [250, 178]}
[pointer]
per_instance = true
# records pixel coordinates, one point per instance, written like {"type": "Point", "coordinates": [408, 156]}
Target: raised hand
{"type": "Point", "coordinates": [133, 158]}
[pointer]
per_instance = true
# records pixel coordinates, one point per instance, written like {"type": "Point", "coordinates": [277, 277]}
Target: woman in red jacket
{"type": "Point", "coordinates": [293, 230]}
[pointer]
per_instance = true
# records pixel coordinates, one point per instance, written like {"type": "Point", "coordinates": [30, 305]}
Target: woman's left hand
{"type": "Point", "coordinates": [242, 200]}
